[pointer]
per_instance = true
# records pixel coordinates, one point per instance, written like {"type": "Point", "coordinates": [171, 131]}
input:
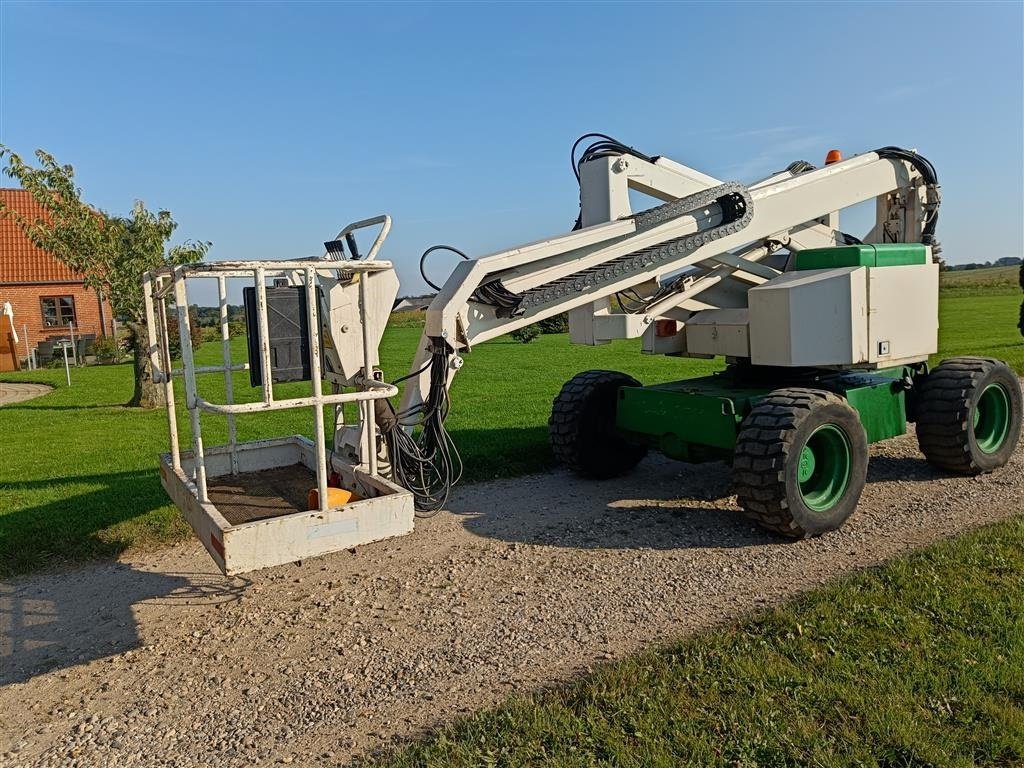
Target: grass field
{"type": "Point", "coordinates": [78, 476]}
{"type": "Point", "coordinates": [918, 663]}
{"type": "Point", "coordinates": [972, 282]}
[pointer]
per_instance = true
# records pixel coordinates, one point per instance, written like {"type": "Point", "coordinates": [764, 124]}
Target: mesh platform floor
{"type": "Point", "coordinates": [253, 496]}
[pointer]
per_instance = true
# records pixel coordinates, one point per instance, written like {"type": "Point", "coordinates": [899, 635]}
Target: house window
{"type": "Point", "coordinates": [58, 310]}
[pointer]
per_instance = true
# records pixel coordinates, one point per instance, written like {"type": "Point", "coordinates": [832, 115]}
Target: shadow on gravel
{"type": "Point", "coordinates": [910, 468]}
{"type": "Point", "coordinates": [53, 623]}
{"type": "Point", "coordinates": [660, 505]}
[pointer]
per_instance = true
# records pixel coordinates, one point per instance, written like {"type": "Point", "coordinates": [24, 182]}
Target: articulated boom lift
{"type": "Point", "coordinates": [826, 339]}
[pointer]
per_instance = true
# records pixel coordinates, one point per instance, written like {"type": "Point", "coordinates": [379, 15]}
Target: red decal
{"type": "Point", "coordinates": [217, 544]}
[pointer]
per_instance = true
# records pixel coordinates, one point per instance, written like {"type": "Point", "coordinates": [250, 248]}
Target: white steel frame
{"type": "Point", "coordinates": [162, 285]}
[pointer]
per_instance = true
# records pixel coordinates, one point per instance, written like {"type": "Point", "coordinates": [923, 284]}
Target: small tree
{"type": "Point", "coordinates": [111, 252]}
{"type": "Point", "coordinates": [526, 334]}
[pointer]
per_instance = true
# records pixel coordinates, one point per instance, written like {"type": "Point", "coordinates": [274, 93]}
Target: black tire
{"type": "Point", "coordinates": [767, 462]}
{"type": "Point", "coordinates": [954, 411]}
{"type": "Point", "coordinates": [582, 426]}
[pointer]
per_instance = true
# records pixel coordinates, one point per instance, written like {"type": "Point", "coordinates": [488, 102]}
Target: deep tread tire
{"type": "Point", "coordinates": [766, 464]}
{"type": "Point", "coordinates": [582, 426]}
{"type": "Point", "coordinates": [946, 407]}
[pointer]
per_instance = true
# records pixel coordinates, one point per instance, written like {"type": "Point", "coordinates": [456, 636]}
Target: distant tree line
{"type": "Point", "coordinates": [1006, 261]}
{"type": "Point", "coordinates": [210, 316]}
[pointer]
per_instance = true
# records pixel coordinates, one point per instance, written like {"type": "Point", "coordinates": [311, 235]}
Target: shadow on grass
{"type": "Point", "coordinates": [488, 454]}
{"type": "Point", "coordinates": [27, 405]}
{"type": "Point", "coordinates": [76, 526]}
{"type": "Point", "coordinates": [50, 622]}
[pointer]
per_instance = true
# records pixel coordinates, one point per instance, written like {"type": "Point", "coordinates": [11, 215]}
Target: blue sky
{"type": "Point", "coordinates": [266, 127]}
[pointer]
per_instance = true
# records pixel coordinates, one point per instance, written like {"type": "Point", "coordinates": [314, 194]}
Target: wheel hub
{"type": "Point", "coordinates": [992, 418]}
{"type": "Point", "coordinates": [806, 464]}
{"type": "Point", "coordinates": [825, 466]}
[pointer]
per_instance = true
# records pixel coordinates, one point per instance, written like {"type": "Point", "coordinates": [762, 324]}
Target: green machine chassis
{"type": "Point", "coordinates": [797, 439]}
{"type": "Point", "coordinates": [699, 419]}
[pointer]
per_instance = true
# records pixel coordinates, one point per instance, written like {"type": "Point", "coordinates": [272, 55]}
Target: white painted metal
{"type": "Point", "coordinates": [385, 509]}
{"type": "Point", "coordinates": [344, 344]}
{"type": "Point", "coordinates": [375, 390]}
{"type": "Point", "coordinates": [229, 386]}
{"type": "Point", "coordinates": [191, 388]}
{"type": "Point", "coordinates": [260, 277]}
{"type": "Point", "coordinates": [719, 332]}
{"type": "Point", "coordinates": [159, 355]}
{"type": "Point", "coordinates": [841, 317]}
{"type": "Point", "coordinates": [817, 317]}
{"type": "Point", "coordinates": [385, 228]}
{"type": "Point", "coordinates": [67, 371]}
{"type": "Point", "coordinates": [789, 210]}
{"type": "Point", "coordinates": [902, 330]}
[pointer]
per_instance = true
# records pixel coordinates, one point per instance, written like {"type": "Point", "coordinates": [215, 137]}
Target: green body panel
{"type": "Point", "coordinates": [882, 411]}
{"type": "Point", "coordinates": [866, 255]}
{"type": "Point", "coordinates": [699, 419]}
{"type": "Point", "coordinates": [678, 416]}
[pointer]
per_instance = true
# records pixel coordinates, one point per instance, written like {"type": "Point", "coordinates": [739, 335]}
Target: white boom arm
{"type": "Point", "coordinates": [702, 249]}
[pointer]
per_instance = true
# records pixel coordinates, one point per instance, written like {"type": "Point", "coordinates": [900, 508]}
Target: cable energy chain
{"type": "Point", "coordinates": [737, 210]}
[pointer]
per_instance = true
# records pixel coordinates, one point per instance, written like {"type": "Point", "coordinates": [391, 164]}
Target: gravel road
{"type": "Point", "coordinates": [158, 660]}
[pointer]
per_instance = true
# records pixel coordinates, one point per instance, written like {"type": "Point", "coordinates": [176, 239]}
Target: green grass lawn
{"type": "Point", "coordinates": [917, 663]}
{"type": "Point", "coordinates": [981, 281]}
{"type": "Point", "coordinates": [78, 473]}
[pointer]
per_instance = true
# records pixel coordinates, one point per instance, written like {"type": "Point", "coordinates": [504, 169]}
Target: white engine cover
{"type": "Point", "coordinates": [871, 317]}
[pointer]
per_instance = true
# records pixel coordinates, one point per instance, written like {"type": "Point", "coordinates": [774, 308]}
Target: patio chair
{"type": "Point", "coordinates": [44, 352]}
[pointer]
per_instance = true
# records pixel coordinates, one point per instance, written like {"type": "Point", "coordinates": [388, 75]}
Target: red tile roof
{"type": "Point", "coordinates": [20, 260]}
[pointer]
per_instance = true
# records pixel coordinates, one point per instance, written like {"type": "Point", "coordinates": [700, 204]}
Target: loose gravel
{"type": "Point", "coordinates": [160, 661]}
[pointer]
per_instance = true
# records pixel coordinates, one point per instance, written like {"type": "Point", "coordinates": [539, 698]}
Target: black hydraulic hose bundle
{"type": "Point", "coordinates": [931, 178]}
{"type": "Point", "coordinates": [606, 146]}
{"type": "Point", "coordinates": [493, 293]}
{"type": "Point", "coordinates": [423, 459]}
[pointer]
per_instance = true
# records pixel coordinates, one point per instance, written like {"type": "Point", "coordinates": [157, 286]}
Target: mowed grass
{"type": "Point", "coordinates": [973, 282]}
{"type": "Point", "coordinates": [917, 663]}
{"type": "Point", "coordinates": [78, 472]}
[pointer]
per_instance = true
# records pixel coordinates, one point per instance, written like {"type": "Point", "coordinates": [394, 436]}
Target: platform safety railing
{"type": "Point", "coordinates": [171, 284]}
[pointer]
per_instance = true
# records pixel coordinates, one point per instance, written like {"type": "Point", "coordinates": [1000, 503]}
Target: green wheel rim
{"type": "Point", "coordinates": [825, 464]}
{"type": "Point", "coordinates": [992, 418]}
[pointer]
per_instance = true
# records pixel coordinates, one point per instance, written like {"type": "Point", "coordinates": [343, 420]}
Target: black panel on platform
{"type": "Point", "coordinates": [288, 328]}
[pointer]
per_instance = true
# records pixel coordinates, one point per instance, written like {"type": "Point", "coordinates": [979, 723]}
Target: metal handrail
{"type": "Point", "coordinates": [383, 219]}
{"type": "Point", "coordinates": [270, 267]}
{"type": "Point", "coordinates": [383, 390]}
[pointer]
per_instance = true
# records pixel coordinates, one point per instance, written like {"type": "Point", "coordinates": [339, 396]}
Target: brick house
{"type": "Point", "coordinates": [47, 296]}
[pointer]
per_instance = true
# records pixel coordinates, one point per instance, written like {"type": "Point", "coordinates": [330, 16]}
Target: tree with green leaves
{"type": "Point", "coordinates": [110, 251]}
